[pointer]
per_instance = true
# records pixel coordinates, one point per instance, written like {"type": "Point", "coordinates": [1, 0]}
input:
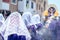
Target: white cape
{"type": "Point", "coordinates": [14, 25]}
{"type": "Point", "coordinates": [35, 19]}
{"type": "Point", "coordinates": [27, 18]}
{"type": "Point", "coordinates": [1, 20]}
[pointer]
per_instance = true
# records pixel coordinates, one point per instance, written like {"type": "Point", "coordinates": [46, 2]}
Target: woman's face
{"type": "Point", "coordinates": [51, 10]}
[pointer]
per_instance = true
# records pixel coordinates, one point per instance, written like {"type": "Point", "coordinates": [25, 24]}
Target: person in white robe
{"type": "Point", "coordinates": [27, 18]}
{"type": "Point", "coordinates": [35, 20]}
{"type": "Point", "coordinates": [1, 23]}
{"type": "Point", "coordinates": [14, 25]}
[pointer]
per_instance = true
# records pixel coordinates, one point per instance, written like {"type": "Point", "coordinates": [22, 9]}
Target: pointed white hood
{"type": "Point", "coordinates": [14, 25]}
{"type": "Point", "coordinates": [35, 19]}
{"type": "Point", "coordinates": [27, 18]}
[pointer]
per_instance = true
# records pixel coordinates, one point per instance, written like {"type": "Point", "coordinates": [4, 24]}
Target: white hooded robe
{"type": "Point", "coordinates": [14, 25]}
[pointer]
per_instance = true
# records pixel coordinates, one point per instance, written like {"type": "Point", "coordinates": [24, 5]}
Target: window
{"type": "Point", "coordinates": [27, 3]}
{"type": "Point", "coordinates": [39, 7]}
{"type": "Point", "coordinates": [20, 0]}
{"type": "Point", "coordinates": [32, 5]}
{"type": "Point", "coordinates": [14, 2]}
{"type": "Point", "coordinates": [44, 4]}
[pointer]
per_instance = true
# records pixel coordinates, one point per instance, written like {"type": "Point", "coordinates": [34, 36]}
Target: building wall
{"type": "Point", "coordinates": [0, 4]}
{"type": "Point", "coordinates": [41, 7]}
{"type": "Point", "coordinates": [24, 8]}
{"type": "Point", "coordinates": [20, 6]}
{"type": "Point", "coordinates": [13, 7]}
{"type": "Point", "coordinates": [29, 8]}
{"type": "Point", "coordinates": [5, 4]}
{"type": "Point", "coordinates": [6, 1]}
{"type": "Point", "coordinates": [9, 6]}
{"type": "Point", "coordinates": [46, 4]}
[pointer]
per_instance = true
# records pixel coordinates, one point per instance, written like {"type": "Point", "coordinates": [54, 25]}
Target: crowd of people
{"type": "Point", "coordinates": [29, 27]}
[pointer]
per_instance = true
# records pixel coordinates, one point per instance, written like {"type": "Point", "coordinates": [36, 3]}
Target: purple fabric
{"type": "Point", "coordinates": [13, 37]}
{"type": "Point", "coordinates": [39, 25]}
{"type": "Point", "coordinates": [58, 22]}
{"type": "Point", "coordinates": [1, 23]}
{"type": "Point", "coordinates": [53, 25]}
{"type": "Point", "coordinates": [16, 37]}
{"type": "Point", "coordinates": [31, 27]}
{"type": "Point", "coordinates": [32, 30]}
{"type": "Point", "coordinates": [1, 37]}
{"type": "Point", "coordinates": [58, 26]}
{"type": "Point", "coordinates": [58, 30]}
{"type": "Point", "coordinates": [21, 37]}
